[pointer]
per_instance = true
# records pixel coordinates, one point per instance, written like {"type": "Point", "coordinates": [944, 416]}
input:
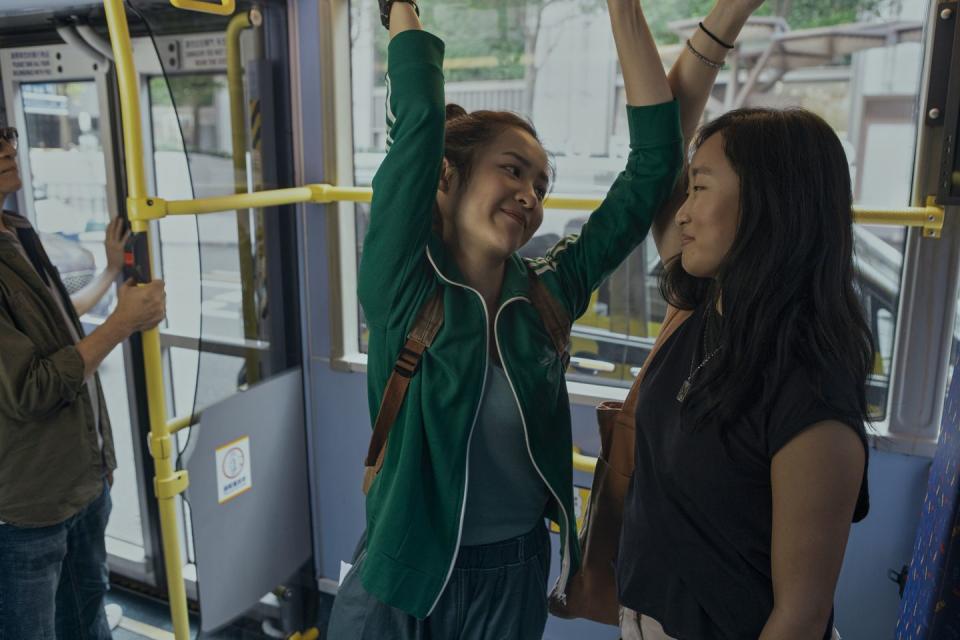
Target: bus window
{"type": "Point", "coordinates": [522, 56]}
{"type": "Point", "coordinates": [67, 176]}
{"type": "Point", "coordinates": [66, 158]}
{"type": "Point", "coordinates": [192, 153]}
{"type": "Point", "coordinates": [883, 333]}
{"type": "Point", "coordinates": [205, 340]}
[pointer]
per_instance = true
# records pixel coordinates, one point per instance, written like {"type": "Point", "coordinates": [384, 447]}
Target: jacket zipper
{"type": "Point", "coordinates": [561, 586]}
{"type": "Point", "coordinates": [466, 480]}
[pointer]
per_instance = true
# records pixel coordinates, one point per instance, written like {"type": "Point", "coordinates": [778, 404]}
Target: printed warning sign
{"type": "Point", "coordinates": [234, 474]}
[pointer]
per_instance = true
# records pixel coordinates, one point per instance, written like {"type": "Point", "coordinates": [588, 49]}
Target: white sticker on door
{"type": "Point", "coordinates": [233, 469]}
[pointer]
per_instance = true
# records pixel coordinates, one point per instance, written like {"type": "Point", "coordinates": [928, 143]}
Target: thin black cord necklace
{"type": "Point", "coordinates": [685, 387]}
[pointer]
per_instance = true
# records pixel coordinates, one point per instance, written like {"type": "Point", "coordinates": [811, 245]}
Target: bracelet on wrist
{"type": "Point", "coordinates": [702, 58]}
{"type": "Point", "coordinates": [715, 38]}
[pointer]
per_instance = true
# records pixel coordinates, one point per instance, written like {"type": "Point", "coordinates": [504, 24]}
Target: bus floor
{"type": "Point", "coordinates": [147, 618]}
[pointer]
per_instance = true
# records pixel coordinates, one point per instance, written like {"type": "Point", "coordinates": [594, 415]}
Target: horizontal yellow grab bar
{"type": "Point", "coordinates": [178, 424]}
{"type": "Point", "coordinates": [255, 200]}
{"type": "Point", "coordinates": [319, 193]}
{"type": "Point", "coordinates": [222, 8]}
{"type": "Point", "coordinates": [929, 217]}
{"type": "Point", "coordinates": [586, 464]}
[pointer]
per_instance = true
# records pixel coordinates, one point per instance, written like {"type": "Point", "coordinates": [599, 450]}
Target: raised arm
{"type": "Point", "coordinates": [403, 17]}
{"type": "Point", "coordinates": [690, 80]}
{"type": "Point", "coordinates": [643, 77]}
{"type": "Point", "coordinates": [392, 267]}
{"type": "Point", "coordinates": [581, 262]}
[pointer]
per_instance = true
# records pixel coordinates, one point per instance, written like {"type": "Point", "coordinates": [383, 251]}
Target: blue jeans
{"type": "Point", "coordinates": [53, 579]}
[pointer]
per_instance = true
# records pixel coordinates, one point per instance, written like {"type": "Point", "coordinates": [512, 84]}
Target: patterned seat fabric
{"type": "Point", "coordinates": [930, 609]}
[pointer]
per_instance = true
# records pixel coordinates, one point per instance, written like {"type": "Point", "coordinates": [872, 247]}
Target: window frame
{"type": "Point", "coordinates": [928, 288]}
{"type": "Point", "coordinates": [930, 270]}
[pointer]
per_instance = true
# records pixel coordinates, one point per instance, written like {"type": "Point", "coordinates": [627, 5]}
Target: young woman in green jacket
{"type": "Point", "coordinates": [480, 453]}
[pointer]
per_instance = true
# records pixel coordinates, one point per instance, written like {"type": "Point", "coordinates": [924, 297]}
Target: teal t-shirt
{"type": "Point", "coordinates": [506, 496]}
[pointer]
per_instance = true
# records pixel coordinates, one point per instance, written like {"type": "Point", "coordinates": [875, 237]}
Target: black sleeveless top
{"type": "Point", "coordinates": [697, 524]}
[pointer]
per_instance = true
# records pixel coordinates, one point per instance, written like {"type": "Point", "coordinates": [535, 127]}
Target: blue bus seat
{"type": "Point", "coordinates": [930, 608]}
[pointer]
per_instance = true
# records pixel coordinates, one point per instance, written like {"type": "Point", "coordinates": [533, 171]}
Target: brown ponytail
{"type": "Point", "coordinates": [468, 133]}
{"type": "Point", "coordinates": [455, 111]}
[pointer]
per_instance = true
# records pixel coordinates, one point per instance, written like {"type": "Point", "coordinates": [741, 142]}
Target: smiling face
{"type": "Point", "coordinates": [499, 206]}
{"type": "Point", "coordinates": [710, 215]}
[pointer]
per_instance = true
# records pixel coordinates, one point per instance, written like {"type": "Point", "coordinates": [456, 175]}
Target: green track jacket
{"type": "Point", "coordinates": [415, 506]}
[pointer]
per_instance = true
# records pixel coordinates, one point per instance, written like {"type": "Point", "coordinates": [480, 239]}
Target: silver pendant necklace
{"type": "Point", "coordinates": [685, 387]}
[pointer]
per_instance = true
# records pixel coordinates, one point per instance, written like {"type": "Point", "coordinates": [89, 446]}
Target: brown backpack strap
{"type": "Point", "coordinates": [674, 318]}
{"type": "Point", "coordinates": [425, 329]}
{"type": "Point", "coordinates": [554, 316]}
{"type": "Point", "coordinates": [619, 451]}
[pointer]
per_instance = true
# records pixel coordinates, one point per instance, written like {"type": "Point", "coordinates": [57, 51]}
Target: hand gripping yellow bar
{"type": "Point", "coordinates": [224, 8]}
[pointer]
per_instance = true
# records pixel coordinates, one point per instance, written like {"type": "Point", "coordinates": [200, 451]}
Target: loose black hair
{"type": "Point", "coordinates": [787, 283]}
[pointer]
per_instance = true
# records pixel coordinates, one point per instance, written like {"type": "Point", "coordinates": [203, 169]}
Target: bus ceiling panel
{"type": "Point", "coordinates": [163, 18]}
{"type": "Point", "coordinates": [22, 8]}
{"type": "Point", "coordinates": [26, 22]}
{"type": "Point", "coordinates": [35, 21]}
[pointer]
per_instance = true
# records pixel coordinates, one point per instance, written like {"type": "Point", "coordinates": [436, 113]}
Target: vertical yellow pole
{"type": "Point", "coordinates": [238, 129]}
{"type": "Point", "coordinates": [167, 483]}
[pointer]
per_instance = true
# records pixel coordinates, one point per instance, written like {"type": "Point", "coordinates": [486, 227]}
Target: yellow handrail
{"type": "Point", "coordinates": [179, 424]}
{"type": "Point", "coordinates": [584, 463]}
{"type": "Point", "coordinates": [319, 193]}
{"type": "Point", "coordinates": [167, 482]}
{"type": "Point", "coordinates": [238, 130]}
{"type": "Point", "coordinates": [930, 217]}
{"type": "Point", "coordinates": [223, 8]}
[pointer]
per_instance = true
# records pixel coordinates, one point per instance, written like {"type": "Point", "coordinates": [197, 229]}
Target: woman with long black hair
{"type": "Point", "coordinates": [751, 448]}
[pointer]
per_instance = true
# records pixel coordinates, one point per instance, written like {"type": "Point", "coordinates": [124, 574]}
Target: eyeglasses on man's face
{"type": "Point", "coordinates": [10, 135]}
